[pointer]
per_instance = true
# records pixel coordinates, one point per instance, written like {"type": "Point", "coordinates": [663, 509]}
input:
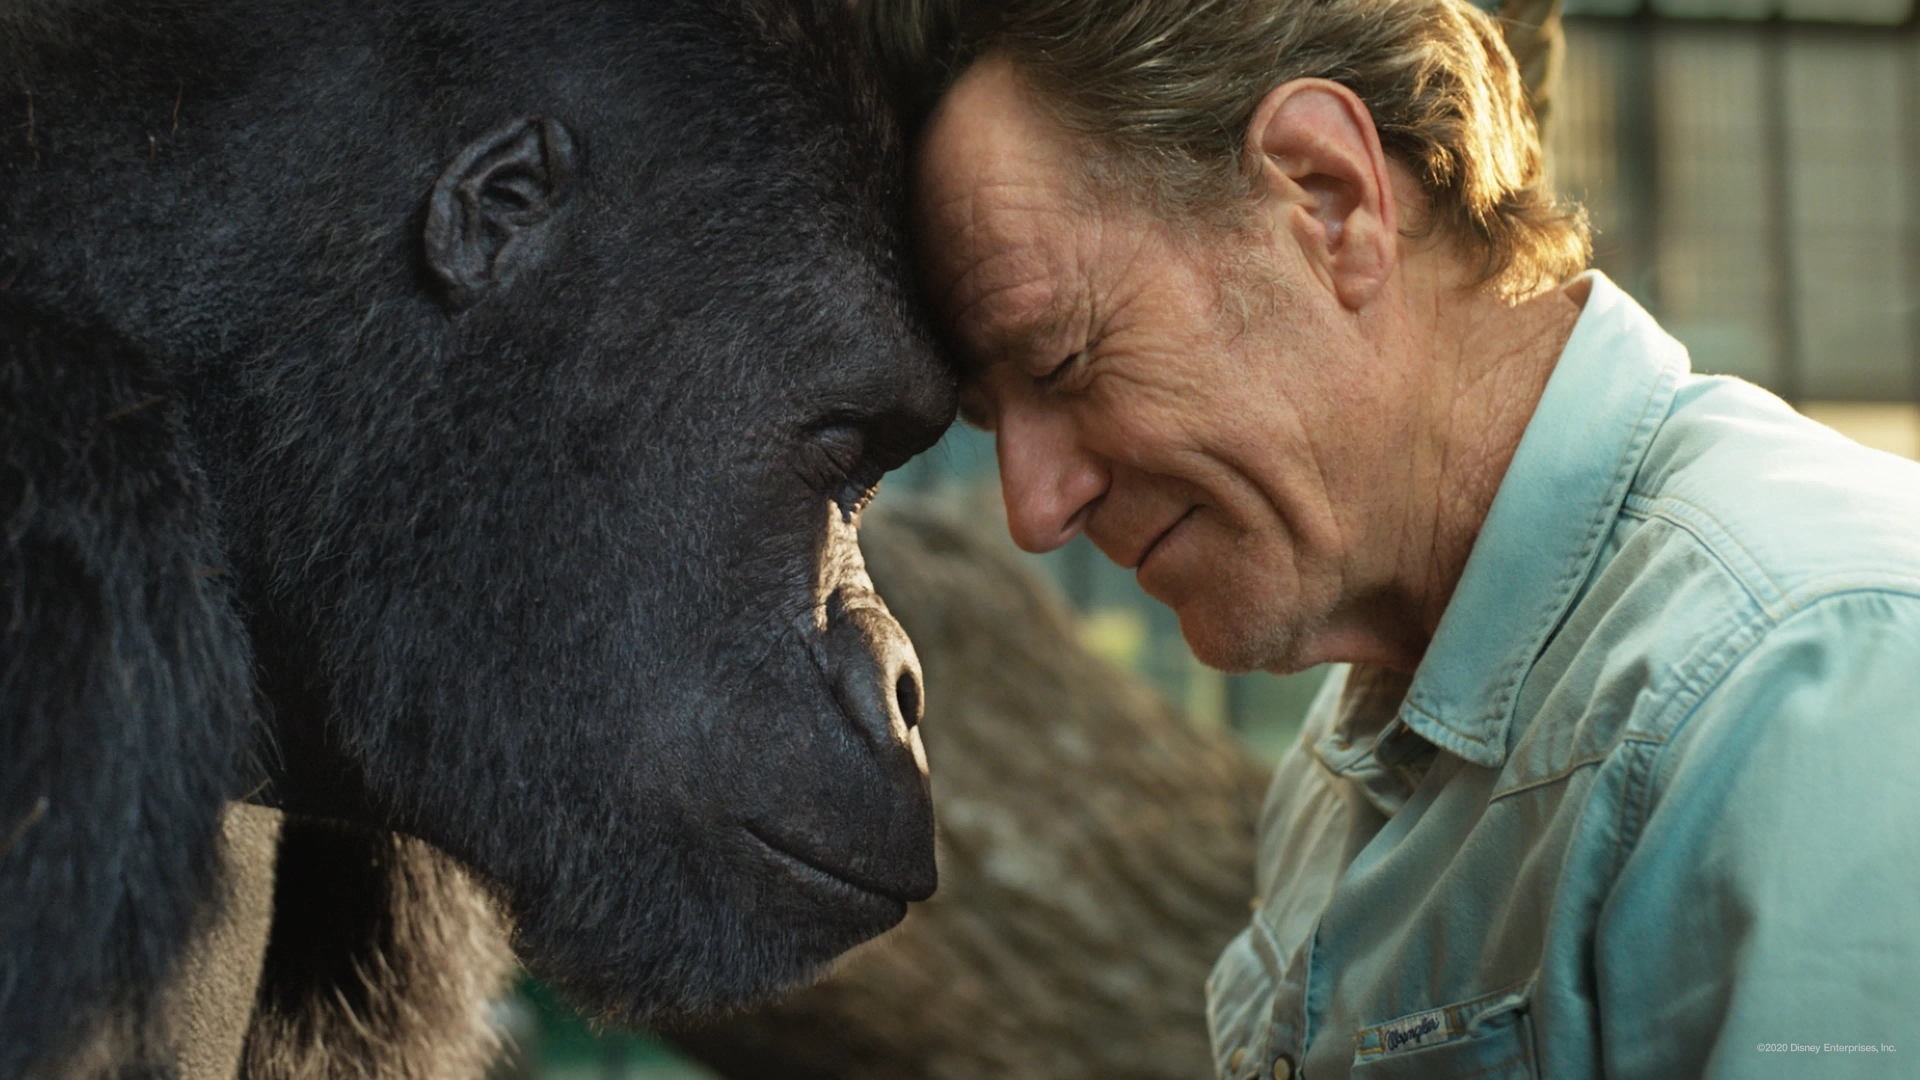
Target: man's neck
{"type": "Point", "coordinates": [1494, 370]}
{"type": "Point", "coordinates": [1489, 359]}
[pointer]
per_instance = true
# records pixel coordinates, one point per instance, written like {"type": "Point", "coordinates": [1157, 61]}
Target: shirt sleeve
{"type": "Point", "coordinates": [1766, 917]}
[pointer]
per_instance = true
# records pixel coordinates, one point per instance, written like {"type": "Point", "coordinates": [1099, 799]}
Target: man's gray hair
{"type": "Point", "coordinates": [1167, 89]}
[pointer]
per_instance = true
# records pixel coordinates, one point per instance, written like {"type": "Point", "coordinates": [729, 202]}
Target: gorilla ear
{"type": "Point", "coordinates": [490, 211]}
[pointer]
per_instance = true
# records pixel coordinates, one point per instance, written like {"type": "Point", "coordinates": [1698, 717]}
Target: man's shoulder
{"type": "Point", "coordinates": [1744, 519]}
{"type": "Point", "coordinates": [1793, 510]}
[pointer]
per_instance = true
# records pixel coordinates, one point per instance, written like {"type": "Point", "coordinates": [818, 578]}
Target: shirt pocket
{"type": "Point", "coordinates": [1487, 1038]}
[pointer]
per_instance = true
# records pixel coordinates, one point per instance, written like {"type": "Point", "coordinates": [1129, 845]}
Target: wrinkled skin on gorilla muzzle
{"type": "Point", "coordinates": [874, 678]}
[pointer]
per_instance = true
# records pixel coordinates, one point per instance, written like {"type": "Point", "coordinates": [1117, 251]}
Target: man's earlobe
{"type": "Point", "coordinates": [492, 209]}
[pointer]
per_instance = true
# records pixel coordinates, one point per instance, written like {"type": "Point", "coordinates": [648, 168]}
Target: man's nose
{"type": "Point", "coordinates": [1046, 477]}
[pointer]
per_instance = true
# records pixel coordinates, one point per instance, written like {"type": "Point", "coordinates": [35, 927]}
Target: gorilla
{"type": "Point", "coordinates": [445, 423]}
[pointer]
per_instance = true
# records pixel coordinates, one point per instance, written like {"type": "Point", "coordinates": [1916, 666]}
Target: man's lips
{"type": "Point", "coordinates": [1147, 551]}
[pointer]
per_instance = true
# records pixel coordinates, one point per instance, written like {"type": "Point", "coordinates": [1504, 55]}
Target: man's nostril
{"type": "Point", "coordinates": [907, 692]}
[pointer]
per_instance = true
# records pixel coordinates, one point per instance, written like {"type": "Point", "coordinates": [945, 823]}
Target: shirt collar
{"type": "Point", "coordinates": [1608, 395]}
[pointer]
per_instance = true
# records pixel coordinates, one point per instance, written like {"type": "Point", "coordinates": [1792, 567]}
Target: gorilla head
{"type": "Point", "coordinates": [489, 391]}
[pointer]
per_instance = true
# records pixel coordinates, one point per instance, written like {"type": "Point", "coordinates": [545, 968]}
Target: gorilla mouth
{"type": "Point", "coordinates": [811, 867]}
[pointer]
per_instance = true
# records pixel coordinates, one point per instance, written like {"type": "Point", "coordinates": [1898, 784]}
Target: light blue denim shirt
{"type": "Point", "coordinates": [1651, 805]}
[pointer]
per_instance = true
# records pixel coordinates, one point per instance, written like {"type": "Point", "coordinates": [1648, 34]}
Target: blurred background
{"type": "Point", "coordinates": [1752, 168]}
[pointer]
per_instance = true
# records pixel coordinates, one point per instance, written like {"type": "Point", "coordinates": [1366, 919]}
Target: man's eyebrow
{"type": "Point", "coordinates": [1024, 335]}
{"type": "Point", "coordinates": [1036, 330]}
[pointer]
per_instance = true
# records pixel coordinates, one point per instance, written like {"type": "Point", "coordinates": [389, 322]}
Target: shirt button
{"type": "Point", "coordinates": [1238, 1059]}
{"type": "Point", "coordinates": [1283, 1068]}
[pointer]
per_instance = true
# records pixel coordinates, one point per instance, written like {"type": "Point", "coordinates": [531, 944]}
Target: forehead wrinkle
{"type": "Point", "coordinates": [1010, 298]}
{"type": "Point", "coordinates": [980, 234]}
{"type": "Point", "coordinates": [1022, 327]}
{"type": "Point", "coordinates": [1109, 292]}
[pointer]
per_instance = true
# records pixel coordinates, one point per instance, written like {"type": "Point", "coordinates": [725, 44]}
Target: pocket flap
{"type": "Point", "coordinates": [1487, 1038]}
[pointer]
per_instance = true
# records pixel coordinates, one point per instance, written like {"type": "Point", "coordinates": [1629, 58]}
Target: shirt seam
{"type": "Point", "coordinates": [1790, 601]}
{"type": "Point", "coordinates": [1635, 800]}
{"type": "Point", "coordinates": [1698, 674]}
{"type": "Point", "coordinates": [1832, 592]}
{"type": "Point", "coordinates": [1690, 677]}
{"type": "Point", "coordinates": [1732, 653]}
{"type": "Point", "coordinates": [1695, 675]}
{"type": "Point", "coordinates": [1564, 772]}
{"type": "Point", "coordinates": [1656, 507]}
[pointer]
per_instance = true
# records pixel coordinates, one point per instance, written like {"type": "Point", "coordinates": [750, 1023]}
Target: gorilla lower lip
{"type": "Point", "coordinates": [812, 868]}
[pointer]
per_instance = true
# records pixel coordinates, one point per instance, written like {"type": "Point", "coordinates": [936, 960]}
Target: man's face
{"type": "Point", "coordinates": [1194, 399]}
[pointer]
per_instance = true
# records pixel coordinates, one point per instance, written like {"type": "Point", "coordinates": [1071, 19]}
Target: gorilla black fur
{"type": "Point", "coordinates": [124, 685]}
{"type": "Point", "coordinates": [445, 421]}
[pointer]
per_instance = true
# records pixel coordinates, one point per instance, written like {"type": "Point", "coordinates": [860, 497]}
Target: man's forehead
{"type": "Point", "coordinates": [1009, 300]}
{"type": "Point", "coordinates": [998, 215]}
{"type": "Point", "coordinates": [991, 119]}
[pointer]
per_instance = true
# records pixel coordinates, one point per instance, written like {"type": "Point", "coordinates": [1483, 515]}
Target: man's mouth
{"type": "Point", "coordinates": [1168, 531]}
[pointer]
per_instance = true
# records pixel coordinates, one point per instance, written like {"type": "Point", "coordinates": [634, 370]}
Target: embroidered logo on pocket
{"type": "Point", "coordinates": [1418, 1031]}
{"type": "Point", "coordinates": [1423, 1030]}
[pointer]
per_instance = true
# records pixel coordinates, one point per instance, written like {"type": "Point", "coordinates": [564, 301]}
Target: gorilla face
{"type": "Point", "coordinates": [540, 358]}
{"type": "Point", "coordinates": [578, 579]}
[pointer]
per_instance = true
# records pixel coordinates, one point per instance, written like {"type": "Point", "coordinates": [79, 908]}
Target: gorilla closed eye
{"type": "Point", "coordinates": [844, 461]}
{"type": "Point", "coordinates": [858, 493]}
{"type": "Point", "coordinates": [830, 456]}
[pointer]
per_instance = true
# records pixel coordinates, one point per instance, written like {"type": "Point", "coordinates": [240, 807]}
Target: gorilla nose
{"type": "Point", "coordinates": [875, 675]}
{"type": "Point", "coordinates": [869, 820]}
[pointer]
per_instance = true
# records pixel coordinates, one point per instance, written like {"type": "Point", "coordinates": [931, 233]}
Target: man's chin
{"type": "Point", "coordinates": [1249, 643]}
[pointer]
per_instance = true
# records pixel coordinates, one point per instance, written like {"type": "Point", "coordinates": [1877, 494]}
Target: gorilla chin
{"type": "Point", "coordinates": [732, 911]}
{"type": "Point", "coordinates": [776, 921]}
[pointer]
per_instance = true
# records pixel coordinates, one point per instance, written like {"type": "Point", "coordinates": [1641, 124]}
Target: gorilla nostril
{"type": "Point", "coordinates": [907, 692]}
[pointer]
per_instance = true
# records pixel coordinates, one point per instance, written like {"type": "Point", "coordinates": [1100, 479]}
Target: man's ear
{"type": "Point", "coordinates": [490, 211]}
{"type": "Point", "coordinates": [1320, 157]}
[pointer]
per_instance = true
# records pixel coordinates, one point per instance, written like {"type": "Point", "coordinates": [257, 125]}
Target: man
{"type": "Point", "coordinates": [1270, 299]}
